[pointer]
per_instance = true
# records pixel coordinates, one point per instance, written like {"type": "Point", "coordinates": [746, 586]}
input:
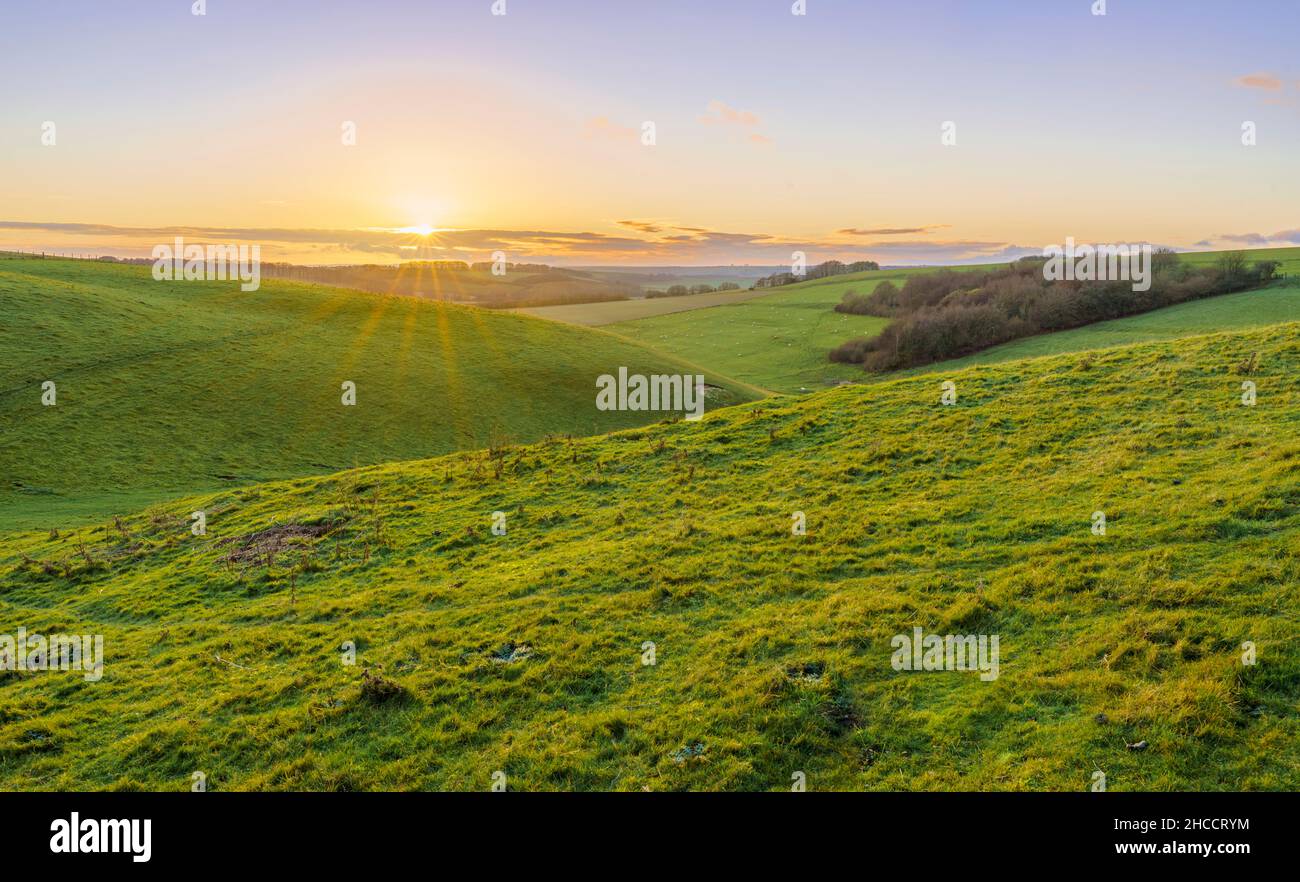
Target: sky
{"type": "Point", "coordinates": [524, 132]}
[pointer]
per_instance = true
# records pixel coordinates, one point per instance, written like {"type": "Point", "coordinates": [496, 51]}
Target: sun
{"type": "Point", "coordinates": [419, 229]}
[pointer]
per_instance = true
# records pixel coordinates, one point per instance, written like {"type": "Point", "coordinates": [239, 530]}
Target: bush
{"type": "Point", "coordinates": [948, 313]}
{"type": "Point", "coordinates": [882, 301]}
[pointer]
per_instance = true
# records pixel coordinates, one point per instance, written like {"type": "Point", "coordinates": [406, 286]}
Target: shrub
{"type": "Point", "coordinates": [949, 313]}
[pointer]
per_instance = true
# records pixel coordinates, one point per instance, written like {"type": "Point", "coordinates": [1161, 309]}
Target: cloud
{"type": "Point", "coordinates": [954, 251]}
{"type": "Point", "coordinates": [1259, 81]}
{"type": "Point", "coordinates": [1281, 237]}
{"type": "Point", "coordinates": [1245, 238]}
{"type": "Point", "coordinates": [889, 231]}
{"type": "Point", "coordinates": [720, 114]}
{"type": "Point", "coordinates": [641, 226]}
{"type": "Point", "coordinates": [453, 244]}
{"type": "Point", "coordinates": [648, 243]}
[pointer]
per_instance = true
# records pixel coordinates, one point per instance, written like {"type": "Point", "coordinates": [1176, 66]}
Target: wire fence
{"type": "Point", "coordinates": [19, 254]}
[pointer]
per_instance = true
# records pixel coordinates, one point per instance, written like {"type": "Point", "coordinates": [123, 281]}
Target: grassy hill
{"type": "Point", "coordinates": [458, 282]}
{"type": "Point", "coordinates": [167, 388]}
{"type": "Point", "coordinates": [775, 338]}
{"type": "Point", "coordinates": [524, 653]}
{"type": "Point", "coordinates": [781, 340]}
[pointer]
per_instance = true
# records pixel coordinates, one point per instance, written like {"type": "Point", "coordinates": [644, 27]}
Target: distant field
{"type": "Point", "coordinates": [610, 312]}
{"type": "Point", "coordinates": [1288, 257]}
{"type": "Point", "coordinates": [167, 388]}
{"type": "Point", "coordinates": [661, 277]}
{"type": "Point", "coordinates": [778, 339]}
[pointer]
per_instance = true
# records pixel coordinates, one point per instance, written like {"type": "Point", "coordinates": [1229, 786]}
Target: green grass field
{"type": "Point", "coordinates": [780, 341]}
{"type": "Point", "coordinates": [613, 311]}
{"type": "Point", "coordinates": [169, 388]}
{"type": "Point", "coordinates": [524, 653]}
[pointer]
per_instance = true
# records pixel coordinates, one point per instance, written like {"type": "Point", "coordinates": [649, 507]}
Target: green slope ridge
{"type": "Point", "coordinates": [523, 653]}
{"type": "Point", "coordinates": [782, 340]}
{"type": "Point", "coordinates": [165, 388]}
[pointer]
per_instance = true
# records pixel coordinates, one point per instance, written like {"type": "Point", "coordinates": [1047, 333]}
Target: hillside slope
{"type": "Point", "coordinates": [782, 339]}
{"type": "Point", "coordinates": [776, 338]}
{"type": "Point", "coordinates": [165, 388]}
{"type": "Point", "coordinates": [524, 653]}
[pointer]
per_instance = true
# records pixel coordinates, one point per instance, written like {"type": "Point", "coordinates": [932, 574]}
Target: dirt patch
{"type": "Point", "coordinates": [264, 545]}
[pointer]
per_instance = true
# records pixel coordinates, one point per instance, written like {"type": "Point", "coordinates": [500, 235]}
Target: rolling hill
{"type": "Point", "coordinates": [529, 653]}
{"type": "Point", "coordinates": [171, 388]}
{"type": "Point", "coordinates": [457, 282]}
{"type": "Point", "coordinates": [781, 340]}
{"type": "Point", "coordinates": [776, 338]}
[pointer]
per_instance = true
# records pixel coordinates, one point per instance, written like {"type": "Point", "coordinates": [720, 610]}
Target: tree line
{"type": "Point", "coordinates": [820, 271]}
{"type": "Point", "coordinates": [685, 290]}
{"type": "Point", "coordinates": [950, 313]}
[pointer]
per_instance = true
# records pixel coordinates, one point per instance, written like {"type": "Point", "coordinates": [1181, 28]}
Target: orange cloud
{"type": "Point", "coordinates": [641, 226]}
{"type": "Point", "coordinates": [889, 231]}
{"type": "Point", "coordinates": [1259, 81]}
{"type": "Point", "coordinates": [720, 114]}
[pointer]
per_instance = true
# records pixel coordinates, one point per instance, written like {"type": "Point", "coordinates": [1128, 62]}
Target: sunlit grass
{"type": "Point", "coordinates": [523, 653]}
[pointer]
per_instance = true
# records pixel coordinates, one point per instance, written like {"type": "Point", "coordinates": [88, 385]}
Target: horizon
{"type": "Point", "coordinates": [92, 254]}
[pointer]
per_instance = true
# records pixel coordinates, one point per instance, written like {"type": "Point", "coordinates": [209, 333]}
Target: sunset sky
{"type": "Point", "coordinates": [774, 132]}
